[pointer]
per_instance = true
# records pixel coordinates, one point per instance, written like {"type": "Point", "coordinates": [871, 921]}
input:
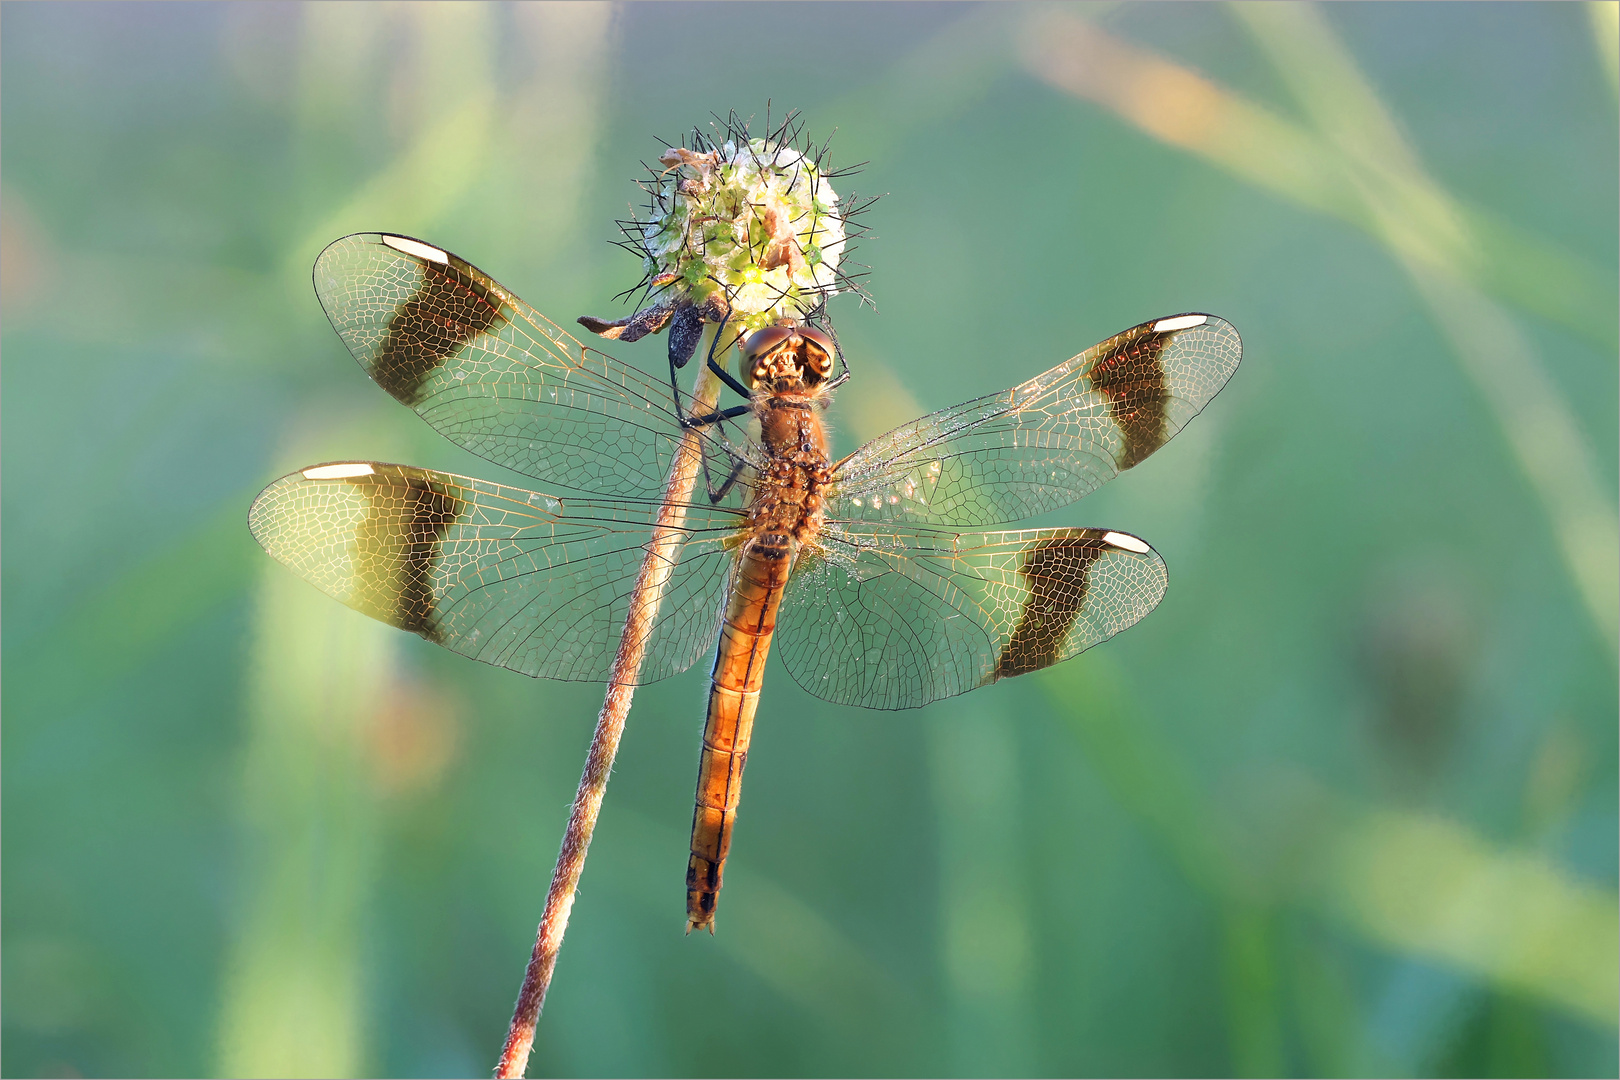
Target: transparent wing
{"type": "Point", "coordinates": [1046, 442]}
{"type": "Point", "coordinates": [893, 618]}
{"type": "Point", "coordinates": [514, 578]}
{"type": "Point", "coordinates": [495, 376]}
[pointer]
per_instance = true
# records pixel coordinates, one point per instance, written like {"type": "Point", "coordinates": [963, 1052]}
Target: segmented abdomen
{"type": "Point", "coordinates": [739, 670]}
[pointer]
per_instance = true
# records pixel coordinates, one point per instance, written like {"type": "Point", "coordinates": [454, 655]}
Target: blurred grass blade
{"type": "Point", "coordinates": [798, 953]}
{"type": "Point", "coordinates": [1543, 435]}
{"type": "Point", "coordinates": [1185, 109]}
{"type": "Point", "coordinates": [1358, 167]}
{"type": "Point", "coordinates": [294, 1001]}
{"type": "Point", "coordinates": [417, 186]}
{"type": "Point", "coordinates": [988, 945]}
{"type": "Point", "coordinates": [772, 933]}
{"type": "Point", "coordinates": [1253, 999]}
{"type": "Point", "coordinates": [1436, 888]}
{"type": "Point", "coordinates": [545, 151]}
{"type": "Point", "coordinates": [118, 627]}
{"type": "Point", "coordinates": [1605, 18]}
{"type": "Point", "coordinates": [1411, 882]}
{"type": "Point", "coordinates": [1144, 772]}
{"type": "Point", "coordinates": [941, 76]}
{"type": "Point", "coordinates": [444, 91]}
{"type": "Point", "coordinates": [1493, 351]}
{"type": "Point", "coordinates": [1148, 777]}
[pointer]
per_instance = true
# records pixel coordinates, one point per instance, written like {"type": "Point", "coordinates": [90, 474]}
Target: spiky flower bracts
{"type": "Point", "coordinates": [745, 230]}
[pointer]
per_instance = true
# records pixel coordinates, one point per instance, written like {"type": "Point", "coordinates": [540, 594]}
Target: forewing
{"type": "Point", "coordinates": [896, 618]}
{"type": "Point", "coordinates": [497, 377]}
{"type": "Point", "coordinates": [514, 578]}
{"type": "Point", "coordinates": [1046, 442]}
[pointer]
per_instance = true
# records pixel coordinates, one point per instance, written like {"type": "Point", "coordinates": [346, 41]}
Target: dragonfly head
{"type": "Point", "coordinates": [787, 356]}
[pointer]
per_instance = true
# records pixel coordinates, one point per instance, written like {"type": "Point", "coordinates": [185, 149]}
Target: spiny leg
{"type": "Point", "coordinates": [684, 332]}
{"type": "Point", "coordinates": [736, 471]}
{"type": "Point", "coordinates": [716, 417]}
{"type": "Point", "coordinates": [724, 414]}
{"type": "Point", "coordinates": [681, 348]}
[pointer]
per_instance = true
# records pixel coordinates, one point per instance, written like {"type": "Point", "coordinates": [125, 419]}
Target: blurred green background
{"type": "Point", "coordinates": [1345, 804]}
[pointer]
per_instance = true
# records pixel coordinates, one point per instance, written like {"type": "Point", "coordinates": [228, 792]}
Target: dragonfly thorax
{"type": "Point", "coordinates": [788, 493]}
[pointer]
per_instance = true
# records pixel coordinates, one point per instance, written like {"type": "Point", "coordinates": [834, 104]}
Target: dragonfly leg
{"type": "Point", "coordinates": [681, 351]}
{"type": "Point", "coordinates": [736, 471]}
{"type": "Point", "coordinates": [720, 369]}
{"type": "Point", "coordinates": [729, 379]}
{"type": "Point", "coordinates": [715, 417]}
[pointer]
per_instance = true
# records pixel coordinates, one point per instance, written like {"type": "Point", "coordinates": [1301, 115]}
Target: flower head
{"type": "Point", "coordinates": [748, 229]}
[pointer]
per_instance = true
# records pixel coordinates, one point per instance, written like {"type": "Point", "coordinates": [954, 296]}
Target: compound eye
{"type": "Point", "coordinates": [810, 333]}
{"type": "Point", "coordinates": [763, 341]}
{"type": "Point", "coordinates": [818, 350]}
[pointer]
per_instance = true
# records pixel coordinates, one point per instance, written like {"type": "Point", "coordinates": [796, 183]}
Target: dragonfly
{"type": "Point", "coordinates": [874, 576]}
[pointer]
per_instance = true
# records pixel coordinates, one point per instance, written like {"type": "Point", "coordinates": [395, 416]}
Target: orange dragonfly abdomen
{"type": "Point", "coordinates": [739, 671]}
{"type": "Point", "coordinates": [787, 367]}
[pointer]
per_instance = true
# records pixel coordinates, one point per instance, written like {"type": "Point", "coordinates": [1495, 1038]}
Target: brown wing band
{"type": "Point", "coordinates": [1056, 570]}
{"type": "Point", "coordinates": [449, 309]}
{"type": "Point", "coordinates": [395, 549]}
{"type": "Point", "coordinates": [1131, 377]}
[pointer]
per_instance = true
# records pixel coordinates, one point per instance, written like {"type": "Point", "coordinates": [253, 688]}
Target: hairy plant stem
{"type": "Point", "coordinates": [663, 550]}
